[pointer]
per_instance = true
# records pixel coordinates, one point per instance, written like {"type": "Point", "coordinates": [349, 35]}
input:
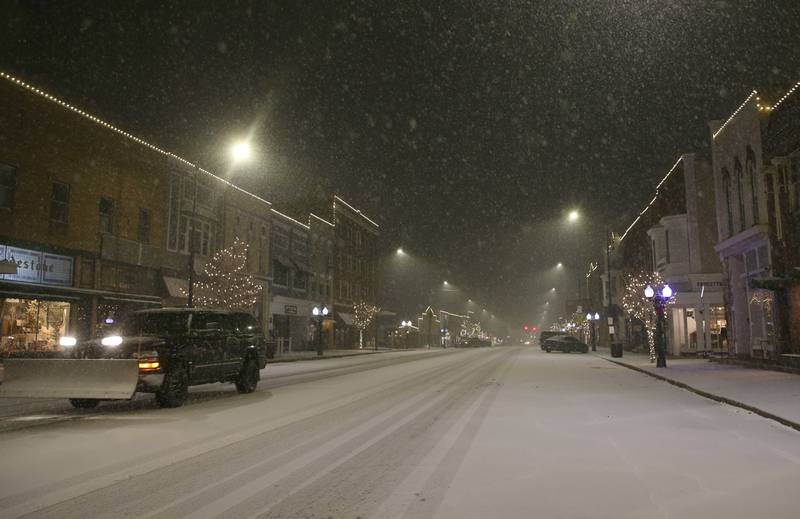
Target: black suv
{"type": "Point", "coordinates": [181, 347]}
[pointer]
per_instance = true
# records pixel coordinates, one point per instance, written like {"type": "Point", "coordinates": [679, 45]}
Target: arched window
{"type": "Point", "coordinates": [737, 170]}
{"type": "Point", "coordinates": [750, 167]}
{"type": "Point", "coordinates": [727, 190]}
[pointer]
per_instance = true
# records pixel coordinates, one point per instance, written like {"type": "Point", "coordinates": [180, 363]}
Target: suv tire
{"type": "Point", "coordinates": [247, 381]}
{"type": "Point", "coordinates": [84, 403]}
{"type": "Point", "coordinates": [175, 388]}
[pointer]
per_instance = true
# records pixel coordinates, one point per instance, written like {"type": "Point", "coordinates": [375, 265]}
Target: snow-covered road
{"type": "Point", "coordinates": [504, 432]}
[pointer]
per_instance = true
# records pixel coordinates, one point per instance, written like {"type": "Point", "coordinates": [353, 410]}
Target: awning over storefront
{"type": "Point", "coordinates": [43, 291]}
{"type": "Point", "coordinates": [176, 287]}
{"type": "Point", "coordinates": [346, 318]}
{"type": "Point", "coordinates": [772, 283]}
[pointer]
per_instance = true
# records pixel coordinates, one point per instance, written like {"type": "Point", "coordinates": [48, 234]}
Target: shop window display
{"type": "Point", "coordinates": [32, 324]}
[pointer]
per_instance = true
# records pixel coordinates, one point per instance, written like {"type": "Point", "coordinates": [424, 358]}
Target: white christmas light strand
{"type": "Point", "coordinates": [787, 94]}
{"type": "Point", "coordinates": [301, 224]}
{"type": "Point", "coordinates": [357, 211]}
{"type": "Point", "coordinates": [641, 213]}
{"type": "Point", "coordinates": [734, 114]}
{"type": "Point", "coordinates": [122, 132]}
{"type": "Point", "coordinates": [312, 215]}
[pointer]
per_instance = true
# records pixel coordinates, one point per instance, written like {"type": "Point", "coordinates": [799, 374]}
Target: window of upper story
{"type": "Point", "coordinates": [727, 191]}
{"type": "Point", "coordinates": [750, 167]}
{"type": "Point", "coordinates": [8, 184]}
{"type": "Point", "coordinates": [59, 203]}
{"type": "Point", "coordinates": [299, 246]}
{"type": "Point", "coordinates": [195, 235]}
{"type": "Point", "coordinates": [202, 187]}
{"type": "Point", "coordinates": [280, 274]}
{"type": "Point", "coordinates": [280, 239]}
{"type": "Point", "coordinates": [144, 226]}
{"type": "Point", "coordinates": [106, 212]}
{"type": "Point", "coordinates": [738, 173]}
{"type": "Point", "coordinates": [300, 281]}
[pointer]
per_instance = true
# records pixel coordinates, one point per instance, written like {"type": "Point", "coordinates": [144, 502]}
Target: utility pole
{"type": "Point", "coordinates": [190, 229]}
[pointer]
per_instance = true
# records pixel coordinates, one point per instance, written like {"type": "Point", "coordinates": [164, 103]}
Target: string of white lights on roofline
{"type": "Point", "coordinates": [122, 132]}
{"type": "Point", "coordinates": [759, 106]}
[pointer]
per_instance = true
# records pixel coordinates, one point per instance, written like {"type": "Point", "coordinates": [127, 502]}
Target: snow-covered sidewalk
{"type": "Point", "coordinates": [770, 393]}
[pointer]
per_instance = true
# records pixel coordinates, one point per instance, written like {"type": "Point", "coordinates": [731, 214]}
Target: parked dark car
{"type": "Point", "coordinates": [177, 348]}
{"type": "Point", "coordinates": [565, 343]}
{"type": "Point", "coordinates": [543, 336]}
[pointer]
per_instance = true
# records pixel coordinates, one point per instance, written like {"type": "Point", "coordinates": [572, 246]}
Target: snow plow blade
{"type": "Point", "coordinates": [70, 378]}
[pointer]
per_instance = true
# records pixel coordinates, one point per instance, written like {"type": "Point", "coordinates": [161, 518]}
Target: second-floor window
{"type": "Point", "coordinates": [8, 182]}
{"type": "Point", "coordinates": [144, 226]}
{"type": "Point", "coordinates": [300, 281]}
{"type": "Point", "coordinates": [106, 214]}
{"type": "Point", "coordinates": [59, 203]}
{"type": "Point", "coordinates": [727, 191]}
{"type": "Point", "coordinates": [737, 171]}
{"type": "Point", "coordinates": [280, 274]}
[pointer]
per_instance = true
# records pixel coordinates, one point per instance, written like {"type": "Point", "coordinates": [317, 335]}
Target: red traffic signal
{"type": "Point", "coordinates": [525, 327]}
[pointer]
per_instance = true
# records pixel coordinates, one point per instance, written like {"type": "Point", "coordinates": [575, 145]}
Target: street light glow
{"type": "Point", "coordinates": [573, 216]}
{"type": "Point", "coordinates": [400, 250]}
{"type": "Point", "coordinates": [559, 265]}
{"type": "Point", "coordinates": [241, 151]}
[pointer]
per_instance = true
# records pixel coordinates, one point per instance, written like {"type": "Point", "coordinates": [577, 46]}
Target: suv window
{"type": "Point", "coordinates": [245, 323]}
{"type": "Point", "coordinates": [155, 324]}
{"type": "Point", "coordinates": [208, 322]}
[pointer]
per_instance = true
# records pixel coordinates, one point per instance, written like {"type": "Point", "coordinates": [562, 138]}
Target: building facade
{"type": "Point", "coordinates": [355, 269]}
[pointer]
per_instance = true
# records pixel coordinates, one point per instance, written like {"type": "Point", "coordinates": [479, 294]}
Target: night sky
{"type": "Point", "coordinates": [466, 129]}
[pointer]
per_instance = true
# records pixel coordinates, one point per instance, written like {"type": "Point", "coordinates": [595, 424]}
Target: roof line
{"type": "Point", "coordinates": [122, 132]}
{"type": "Point", "coordinates": [312, 215]}
{"type": "Point", "coordinates": [787, 94]}
{"type": "Point", "coordinates": [289, 218]}
{"type": "Point", "coordinates": [357, 211]}
{"type": "Point", "coordinates": [719, 130]}
{"type": "Point", "coordinates": [641, 213]}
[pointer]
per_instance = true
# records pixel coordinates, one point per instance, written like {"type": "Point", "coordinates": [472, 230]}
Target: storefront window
{"type": "Point", "coordinates": [32, 325]}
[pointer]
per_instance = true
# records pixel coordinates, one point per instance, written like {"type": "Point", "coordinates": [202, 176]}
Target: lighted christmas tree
{"type": "Point", "coordinates": [363, 315]}
{"type": "Point", "coordinates": [639, 307]}
{"type": "Point", "coordinates": [225, 282]}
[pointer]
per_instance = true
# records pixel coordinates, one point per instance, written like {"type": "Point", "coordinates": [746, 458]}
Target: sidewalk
{"type": "Point", "coordinates": [772, 394]}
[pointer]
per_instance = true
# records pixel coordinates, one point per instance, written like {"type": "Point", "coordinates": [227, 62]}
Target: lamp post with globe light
{"type": "Point", "coordinates": [593, 318]}
{"type": "Point", "coordinates": [660, 299]}
{"type": "Point", "coordinates": [319, 315]}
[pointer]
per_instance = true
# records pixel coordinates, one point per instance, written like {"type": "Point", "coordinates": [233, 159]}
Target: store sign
{"type": "Point", "coordinates": [37, 267]}
{"type": "Point", "coordinates": [290, 309]}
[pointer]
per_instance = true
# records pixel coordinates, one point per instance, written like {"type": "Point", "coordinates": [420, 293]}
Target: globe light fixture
{"type": "Point", "coordinates": [649, 292]}
{"type": "Point", "coordinates": [588, 317]}
{"type": "Point", "coordinates": [315, 311]}
{"type": "Point", "coordinates": [325, 310]}
{"type": "Point", "coordinates": [666, 292]}
{"type": "Point", "coordinates": [597, 316]}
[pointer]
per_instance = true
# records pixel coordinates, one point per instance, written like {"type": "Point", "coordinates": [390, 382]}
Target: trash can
{"type": "Point", "coordinates": [616, 349]}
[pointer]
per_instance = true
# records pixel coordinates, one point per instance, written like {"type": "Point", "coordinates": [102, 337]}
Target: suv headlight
{"type": "Point", "coordinates": [111, 340]}
{"type": "Point", "coordinates": [67, 341]}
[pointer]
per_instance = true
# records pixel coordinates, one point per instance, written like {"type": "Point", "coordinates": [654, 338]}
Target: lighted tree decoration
{"type": "Point", "coordinates": [639, 307]}
{"type": "Point", "coordinates": [363, 315]}
{"type": "Point", "coordinates": [225, 282]}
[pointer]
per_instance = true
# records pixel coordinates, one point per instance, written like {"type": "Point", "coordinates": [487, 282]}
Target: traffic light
{"type": "Point", "coordinates": [525, 328]}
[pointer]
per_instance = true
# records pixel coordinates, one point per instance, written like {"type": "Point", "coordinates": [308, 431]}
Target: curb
{"type": "Point", "coordinates": [301, 359]}
{"type": "Point", "coordinates": [710, 396]}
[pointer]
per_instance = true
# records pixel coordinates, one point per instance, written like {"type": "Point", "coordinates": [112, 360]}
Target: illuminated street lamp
{"type": "Point", "coordinates": [319, 314]}
{"type": "Point", "coordinates": [400, 251]}
{"type": "Point", "coordinates": [660, 300]}
{"type": "Point", "coordinates": [573, 216]}
{"type": "Point", "coordinates": [593, 321]}
{"type": "Point", "coordinates": [241, 151]}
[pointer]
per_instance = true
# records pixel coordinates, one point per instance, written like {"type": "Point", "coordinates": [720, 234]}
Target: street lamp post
{"type": "Point", "coordinates": [319, 315]}
{"type": "Point", "coordinates": [660, 300]}
{"type": "Point", "coordinates": [593, 321]}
